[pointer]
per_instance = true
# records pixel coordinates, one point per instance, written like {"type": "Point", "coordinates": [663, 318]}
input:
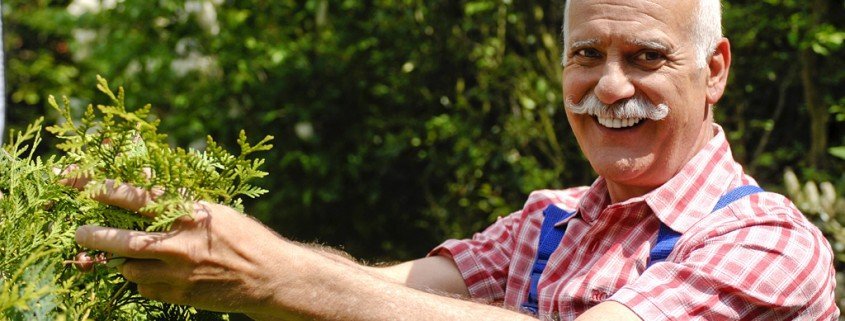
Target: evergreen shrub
{"type": "Point", "coordinates": [42, 270]}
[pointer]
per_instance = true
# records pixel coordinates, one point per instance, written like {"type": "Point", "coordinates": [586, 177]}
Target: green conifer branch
{"type": "Point", "coordinates": [38, 215]}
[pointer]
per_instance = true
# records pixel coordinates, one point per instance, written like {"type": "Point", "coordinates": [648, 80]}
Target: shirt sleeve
{"type": "Point", "coordinates": [484, 260]}
{"type": "Point", "coordinates": [772, 267]}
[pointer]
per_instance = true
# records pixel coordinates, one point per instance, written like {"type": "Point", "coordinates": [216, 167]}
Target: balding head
{"type": "Point", "coordinates": [706, 30]}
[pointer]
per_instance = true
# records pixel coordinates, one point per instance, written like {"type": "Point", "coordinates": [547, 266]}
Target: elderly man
{"type": "Point", "coordinates": [672, 228]}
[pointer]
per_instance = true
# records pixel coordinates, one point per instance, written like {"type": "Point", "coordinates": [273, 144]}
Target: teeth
{"type": "Point", "coordinates": [618, 123]}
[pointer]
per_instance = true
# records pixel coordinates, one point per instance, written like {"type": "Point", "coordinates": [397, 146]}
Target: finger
{"type": "Point", "coordinates": [154, 291]}
{"type": "Point", "coordinates": [75, 180]}
{"type": "Point", "coordinates": [127, 197]}
{"type": "Point", "coordinates": [146, 271]}
{"type": "Point", "coordinates": [199, 217]}
{"type": "Point", "coordinates": [78, 181]}
{"type": "Point", "coordinates": [166, 293]}
{"type": "Point", "coordinates": [148, 172]}
{"type": "Point", "coordinates": [125, 243]}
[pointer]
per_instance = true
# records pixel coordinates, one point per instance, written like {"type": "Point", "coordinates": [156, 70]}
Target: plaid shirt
{"type": "Point", "coordinates": [756, 259]}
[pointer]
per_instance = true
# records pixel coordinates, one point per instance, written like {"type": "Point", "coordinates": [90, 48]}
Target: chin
{"type": "Point", "coordinates": [632, 171]}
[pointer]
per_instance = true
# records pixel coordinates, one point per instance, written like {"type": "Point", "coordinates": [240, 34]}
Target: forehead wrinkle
{"type": "Point", "coordinates": [622, 11]}
{"type": "Point", "coordinates": [625, 11]}
{"type": "Point", "coordinates": [615, 4]}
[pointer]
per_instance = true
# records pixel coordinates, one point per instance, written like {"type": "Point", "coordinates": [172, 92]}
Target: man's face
{"type": "Point", "coordinates": [619, 49]}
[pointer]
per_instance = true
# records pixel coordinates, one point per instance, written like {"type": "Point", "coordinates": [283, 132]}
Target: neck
{"type": "Point", "coordinates": [621, 191]}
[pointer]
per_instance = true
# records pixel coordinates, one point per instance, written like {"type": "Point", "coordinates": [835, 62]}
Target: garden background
{"type": "Point", "coordinates": [400, 123]}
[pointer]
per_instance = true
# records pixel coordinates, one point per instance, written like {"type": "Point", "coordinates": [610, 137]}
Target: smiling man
{"type": "Point", "coordinates": [666, 53]}
{"type": "Point", "coordinates": [671, 230]}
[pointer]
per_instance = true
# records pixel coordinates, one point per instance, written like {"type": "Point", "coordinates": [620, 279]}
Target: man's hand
{"type": "Point", "coordinates": [220, 260]}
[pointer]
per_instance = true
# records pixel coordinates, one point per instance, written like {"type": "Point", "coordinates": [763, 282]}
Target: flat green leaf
{"type": "Point", "coordinates": [837, 151]}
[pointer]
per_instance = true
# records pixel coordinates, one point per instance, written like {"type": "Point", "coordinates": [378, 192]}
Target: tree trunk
{"type": "Point", "coordinates": [819, 115]}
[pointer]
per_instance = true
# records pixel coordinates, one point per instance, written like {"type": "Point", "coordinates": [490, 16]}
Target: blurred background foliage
{"type": "Point", "coordinates": [400, 123]}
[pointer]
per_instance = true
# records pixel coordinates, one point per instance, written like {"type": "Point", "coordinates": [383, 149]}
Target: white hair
{"type": "Point", "coordinates": [706, 30]}
{"type": "Point", "coordinates": [637, 107]}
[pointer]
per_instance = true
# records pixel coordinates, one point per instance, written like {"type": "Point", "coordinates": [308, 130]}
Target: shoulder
{"type": "Point", "coordinates": [767, 224]}
{"type": "Point", "coordinates": [761, 254]}
{"type": "Point", "coordinates": [763, 215]}
{"type": "Point", "coordinates": [767, 208]}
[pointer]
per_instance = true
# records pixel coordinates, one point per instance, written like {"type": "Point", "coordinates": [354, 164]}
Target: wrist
{"type": "Point", "coordinates": [294, 277]}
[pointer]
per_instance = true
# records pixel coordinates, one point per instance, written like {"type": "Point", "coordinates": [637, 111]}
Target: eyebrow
{"type": "Point", "coordinates": [650, 44]}
{"type": "Point", "coordinates": [584, 43]}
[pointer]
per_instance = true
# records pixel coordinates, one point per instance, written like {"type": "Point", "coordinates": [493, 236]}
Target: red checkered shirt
{"type": "Point", "coordinates": [756, 259]}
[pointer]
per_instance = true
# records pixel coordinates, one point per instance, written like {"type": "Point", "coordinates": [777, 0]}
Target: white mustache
{"type": "Point", "coordinates": [637, 107]}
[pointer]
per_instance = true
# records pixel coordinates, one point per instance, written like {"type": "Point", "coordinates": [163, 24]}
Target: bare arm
{"type": "Point", "coordinates": [609, 310]}
{"type": "Point", "coordinates": [225, 261]}
{"type": "Point", "coordinates": [435, 274]}
{"type": "Point", "coordinates": [358, 294]}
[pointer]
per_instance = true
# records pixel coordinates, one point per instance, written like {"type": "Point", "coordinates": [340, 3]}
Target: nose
{"type": "Point", "coordinates": [614, 84]}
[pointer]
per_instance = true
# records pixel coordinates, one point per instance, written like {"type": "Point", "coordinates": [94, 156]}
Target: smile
{"type": "Point", "coordinates": [618, 123]}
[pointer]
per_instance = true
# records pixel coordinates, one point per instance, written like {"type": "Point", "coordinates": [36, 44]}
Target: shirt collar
{"type": "Point", "coordinates": [594, 201]}
{"type": "Point", "coordinates": [685, 198]}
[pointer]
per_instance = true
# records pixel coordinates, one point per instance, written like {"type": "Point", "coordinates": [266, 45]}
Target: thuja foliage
{"type": "Point", "coordinates": [108, 144]}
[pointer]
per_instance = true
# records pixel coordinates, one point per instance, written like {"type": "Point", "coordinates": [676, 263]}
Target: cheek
{"type": "Point", "coordinates": [578, 125]}
{"type": "Point", "coordinates": [576, 122]}
{"type": "Point", "coordinates": [675, 88]}
{"type": "Point", "coordinates": [576, 83]}
{"type": "Point", "coordinates": [660, 88]}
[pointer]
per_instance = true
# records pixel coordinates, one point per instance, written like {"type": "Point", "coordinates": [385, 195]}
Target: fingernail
{"type": "Point", "coordinates": [83, 233]}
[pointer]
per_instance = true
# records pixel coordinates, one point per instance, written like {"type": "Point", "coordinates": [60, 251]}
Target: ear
{"type": "Point", "coordinates": [719, 66]}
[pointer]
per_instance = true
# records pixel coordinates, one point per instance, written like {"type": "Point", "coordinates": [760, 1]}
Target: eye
{"type": "Point", "coordinates": [649, 56]}
{"type": "Point", "coordinates": [587, 53]}
{"type": "Point", "coordinates": [649, 59]}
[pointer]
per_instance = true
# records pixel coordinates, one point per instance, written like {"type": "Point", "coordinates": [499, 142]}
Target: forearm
{"type": "Point", "coordinates": [338, 291]}
{"type": "Point", "coordinates": [343, 258]}
{"type": "Point", "coordinates": [437, 274]}
{"type": "Point", "coordinates": [333, 254]}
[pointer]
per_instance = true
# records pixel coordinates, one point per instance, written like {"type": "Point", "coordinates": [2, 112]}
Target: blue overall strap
{"type": "Point", "coordinates": [666, 237]}
{"type": "Point", "coordinates": [550, 237]}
